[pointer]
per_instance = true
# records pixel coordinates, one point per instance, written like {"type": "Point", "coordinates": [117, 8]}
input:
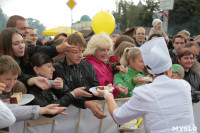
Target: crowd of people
{"type": "Point", "coordinates": [63, 71]}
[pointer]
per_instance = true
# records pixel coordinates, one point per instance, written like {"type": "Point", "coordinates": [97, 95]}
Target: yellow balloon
{"type": "Point", "coordinates": [103, 22]}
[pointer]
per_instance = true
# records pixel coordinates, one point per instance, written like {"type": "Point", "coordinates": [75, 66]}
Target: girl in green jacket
{"type": "Point", "coordinates": [132, 59]}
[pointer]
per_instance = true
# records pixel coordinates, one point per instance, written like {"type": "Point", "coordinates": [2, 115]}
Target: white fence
{"type": "Point", "coordinates": [83, 121]}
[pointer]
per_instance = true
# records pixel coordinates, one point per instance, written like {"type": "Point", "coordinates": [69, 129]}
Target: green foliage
{"type": "Point", "coordinates": [130, 15]}
{"type": "Point", "coordinates": [3, 20]}
{"type": "Point", "coordinates": [185, 15]}
{"type": "Point", "coordinates": [34, 23]}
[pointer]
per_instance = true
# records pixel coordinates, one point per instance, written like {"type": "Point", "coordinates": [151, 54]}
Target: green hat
{"type": "Point", "coordinates": [178, 69]}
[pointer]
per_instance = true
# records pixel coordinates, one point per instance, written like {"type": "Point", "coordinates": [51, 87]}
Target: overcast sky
{"type": "Point", "coordinates": [53, 13]}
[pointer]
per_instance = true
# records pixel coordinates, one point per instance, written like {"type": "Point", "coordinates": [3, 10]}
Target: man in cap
{"type": "Point", "coordinates": [177, 71]}
{"type": "Point", "coordinates": [164, 104]}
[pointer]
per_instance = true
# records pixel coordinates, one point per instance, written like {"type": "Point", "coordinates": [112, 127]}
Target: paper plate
{"type": "Point", "coordinates": [27, 98]}
{"type": "Point", "coordinates": [94, 89]}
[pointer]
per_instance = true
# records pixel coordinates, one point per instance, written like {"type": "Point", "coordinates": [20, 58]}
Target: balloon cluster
{"type": "Point", "coordinates": [103, 22]}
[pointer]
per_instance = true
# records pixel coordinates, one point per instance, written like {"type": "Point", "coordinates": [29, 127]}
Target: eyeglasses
{"type": "Point", "coordinates": [104, 51]}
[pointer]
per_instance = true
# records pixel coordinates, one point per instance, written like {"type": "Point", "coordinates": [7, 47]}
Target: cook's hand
{"type": "Point", "coordinates": [122, 89]}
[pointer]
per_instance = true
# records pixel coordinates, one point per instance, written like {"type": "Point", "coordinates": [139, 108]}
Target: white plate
{"type": "Point", "coordinates": [26, 99]}
{"type": "Point", "coordinates": [148, 79]}
{"type": "Point", "coordinates": [94, 90]}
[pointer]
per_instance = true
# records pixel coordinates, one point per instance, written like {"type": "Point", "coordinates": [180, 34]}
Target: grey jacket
{"type": "Point", "coordinates": [22, 113]}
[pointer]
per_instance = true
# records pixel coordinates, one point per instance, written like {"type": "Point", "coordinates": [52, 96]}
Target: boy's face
{"type": "Point", "coordinates": [9, 79]}
{"type": "Point", "coordinates": [178, 44]}
{"type": "Point", "coordinates": [176, 76]}
{"type": "Point", "coordinates": [75, 58]}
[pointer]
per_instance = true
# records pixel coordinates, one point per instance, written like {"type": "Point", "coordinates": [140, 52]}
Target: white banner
{"type": "Point", "coordinates": [166, 4]}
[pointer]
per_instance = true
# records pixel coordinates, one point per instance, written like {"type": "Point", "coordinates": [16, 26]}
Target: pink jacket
{"type": "Point", "coordinates": [104, 73]}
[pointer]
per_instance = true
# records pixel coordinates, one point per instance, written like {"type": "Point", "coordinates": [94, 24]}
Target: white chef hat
{"type": "Point", "coordinates": [156, 21]}
{"type": "Point", "coordinates": [156, 56]}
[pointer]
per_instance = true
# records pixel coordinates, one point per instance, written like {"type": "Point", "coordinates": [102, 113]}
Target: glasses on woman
{"type": "Point", "coordinates": [104, 51]}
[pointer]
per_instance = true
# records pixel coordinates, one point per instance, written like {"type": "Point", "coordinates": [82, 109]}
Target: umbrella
{"type": "Point", "coordinates": [57, 30]}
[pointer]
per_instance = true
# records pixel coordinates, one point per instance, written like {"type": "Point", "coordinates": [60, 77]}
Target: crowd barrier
{"type": "Point", "coordinates": [83, 121]}
{"type": "Point", "coordinates": [77, 121]}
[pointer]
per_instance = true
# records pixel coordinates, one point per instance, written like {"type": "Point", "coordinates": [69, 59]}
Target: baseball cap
{"type": "Point", "coordinates": [178, 69]}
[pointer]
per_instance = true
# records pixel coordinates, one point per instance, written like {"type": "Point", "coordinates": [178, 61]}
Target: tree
{"type": "Point", "coordinates": [34, 23]}
{"type": "Point", "coordinates": [130, 15]}
{"type": "Point", "coordinates": [3, 20]}
{"type": "Point", "coordinates": [185, 15]}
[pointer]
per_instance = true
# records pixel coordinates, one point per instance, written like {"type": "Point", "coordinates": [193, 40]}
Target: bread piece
{"type": "Point", "coordinates": [102, 87]}
{"type": "Point", "coordinates": [16, 98]}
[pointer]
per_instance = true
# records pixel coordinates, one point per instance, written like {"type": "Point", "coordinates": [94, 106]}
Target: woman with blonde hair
{"type": "Point", "coordinates": [132, 59]}
{"type": "Point", "coordinates": [97, 53]}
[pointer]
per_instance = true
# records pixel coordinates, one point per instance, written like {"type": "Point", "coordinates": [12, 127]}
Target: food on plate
{"type": "Point", "coordinates": [148, 78]}
{"type": "Point", "coordinates": [16, 98]}
{"type": "Point", "coordinates": [102, 87]}
{"type": "Point", "coordinates": [130, 125]}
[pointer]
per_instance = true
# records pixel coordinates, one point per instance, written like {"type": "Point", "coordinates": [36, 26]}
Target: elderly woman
{"type": "Point", "coordinates": [97, 53]}
{"type": "Point", "coordinates": [131, 58]}
{"type": "Point", "coordinates": [186, 59]}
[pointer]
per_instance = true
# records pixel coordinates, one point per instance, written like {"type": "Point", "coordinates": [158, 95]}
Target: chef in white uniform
{"type": "Point", "coordinates": [165, 104]}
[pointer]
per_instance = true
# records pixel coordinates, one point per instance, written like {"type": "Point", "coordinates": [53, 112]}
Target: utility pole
{"type": "Point", "coordinates": [71, 4]}
{"type": "Point", "coordinates": [165, 20]}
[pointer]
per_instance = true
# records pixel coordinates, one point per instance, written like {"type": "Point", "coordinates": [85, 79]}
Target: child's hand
{"type": "Point", "coordinates": [6, 100]}
{"type": "Point", "coordinates": [122, 69]}
{"type": "Point", "coordinates": [140, 80]}
{"type": "Point", "coordinates": [2, 87]}
{"type": "Point", "coordinates": [122, 89]}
